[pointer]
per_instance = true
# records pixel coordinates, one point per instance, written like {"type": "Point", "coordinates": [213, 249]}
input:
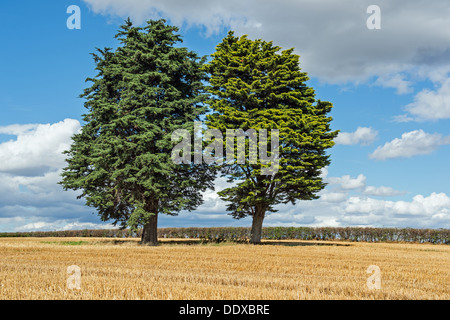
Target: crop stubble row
{"type": "Point", "coordinates": [36, 268]}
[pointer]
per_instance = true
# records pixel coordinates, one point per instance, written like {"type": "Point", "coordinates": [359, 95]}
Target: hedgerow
{"type": "Point", "coordinates": [242, 234]}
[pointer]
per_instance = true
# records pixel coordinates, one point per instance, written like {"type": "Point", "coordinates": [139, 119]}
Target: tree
{"type": "Point", "coordinates": [121, 160]}
{"type": "Point", "coordinates": [254, 86]}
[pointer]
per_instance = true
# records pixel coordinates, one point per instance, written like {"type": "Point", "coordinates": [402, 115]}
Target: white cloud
{"type": "Point", "coordinates": [431, 211]}
{"type": "Point", "coordinates": [17, 129]}
{"type": "Point", "coordinates": [35, 201]}
{"type": "Point", "coordinates": [382, 191]}
{"type": "Point", "coordinates": [334, 196]}
{"type": "Point", "coordinates": [363, 135]}
{"type": "Point", "coordinates": [331, 36]}
{"type": "Point", "coordinates": [347, 201]}
{"type": "Point", "coordinates": [396, 81]}
{"type": "Point", "coordinates": [410, 144]}
{"type": "Point", "coordinates": [347, 182]}
{"type": "Point", "coordinates": [434, 205]}
{"type": "Point", "coordinates": [214, 15]}
{"type": "Point", "coordinates": [62, 225]}
{"type": "Point", "coordinates": [324, 173]}
{"type": "Point", "coordinates": [37, 149]}
{"type": "Point", "coordinates": [38, 196]}
{"type": "Point", "coordinates": [30, 168]}
{"type": "Point", "coordinates": [429, 104]}
{"type": "Point", "coordinates": [365, 205]}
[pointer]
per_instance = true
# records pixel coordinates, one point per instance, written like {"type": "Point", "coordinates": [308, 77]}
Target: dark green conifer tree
{"type": "Point", "coordinates": [121, 160]}
{"type": "Point", "coordinates": [255, 87]}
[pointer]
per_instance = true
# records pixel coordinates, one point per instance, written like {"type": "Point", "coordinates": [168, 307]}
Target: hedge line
{"type": "Point", "coordinates": [436, 236]}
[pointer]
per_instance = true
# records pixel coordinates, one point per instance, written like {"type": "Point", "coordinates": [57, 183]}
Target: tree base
{"type": "Point", "coordinates": [150, 232]}
{"type": "Point", "coordinates": [256, 233]}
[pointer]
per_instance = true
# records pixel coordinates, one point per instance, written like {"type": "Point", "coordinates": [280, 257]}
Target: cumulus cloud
{"type": "Point", "coordinates": [421, 211]}
{"type": "Point", "coordinates": [435, 205]}
{"type": "Point", "coordinates": [62, 225]}
{"type": "Point", "coordinates": [347, 201]}
{"type": "Point", "coordinates": [429, 105]}
{"type": "Point", "coordinates": [431, 211]}
{"type": "Point", "coordinates": [17, 129]}
{"type": "Point", "coordinates": [382, 191]}
{"type": "Point", "coordinates": [31, 198]}
{"type": "Point", "coordinates": [213, 15]}
{"type": "Point", "coordinates": [396, 81]}
{"type": "Point", "coordinates": [412, 143]}
{"type": "Point", "coordinates": [212, 202]}
{"type": "Point", "coordinates": [341, 186]}
{"type": "Point", "coordinates": [34, 201]}
{"type": "Point", "coordinates": [347, 182]}
{"type": "Point", "coordinates": [332, 37]}
{"type": "Point", "coordinates": [365, 205]}
{"type": "Point", "coordinates": [31, 203]}
{"type": "Point", "coordinates": [30, 167]}
{"type": "Point", "coordinates": [37, 149]}
{"type": "Point", "coordinates": [334, 196]}
{"type": "Point", "coordinates": [363, 135]}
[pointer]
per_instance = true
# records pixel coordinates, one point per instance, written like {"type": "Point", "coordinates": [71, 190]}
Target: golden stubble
{"type": "Point", "coordinates": [36, 268]}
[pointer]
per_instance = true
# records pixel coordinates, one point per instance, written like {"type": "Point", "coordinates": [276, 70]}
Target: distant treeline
{"type": "Point", "coordinates": [242, 234]}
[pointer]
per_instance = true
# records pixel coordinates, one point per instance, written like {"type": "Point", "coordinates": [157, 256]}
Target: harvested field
{"type": "Point", "coordinates": [36, 268]}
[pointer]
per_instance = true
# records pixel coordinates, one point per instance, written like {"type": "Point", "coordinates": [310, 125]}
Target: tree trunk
{"type": "Point", "coordinates": [150, 231]}
{"type": "Point", "coordinates": [256, 233]}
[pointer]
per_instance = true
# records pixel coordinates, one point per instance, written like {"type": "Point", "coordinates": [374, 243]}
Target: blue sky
{"type": "Point", "coordinates": [390, 88]}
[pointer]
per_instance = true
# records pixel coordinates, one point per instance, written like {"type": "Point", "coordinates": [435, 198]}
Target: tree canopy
{"type": "Point", "coordinates": [254, 85]}
{"type": "Point", "coordinates": [121, 160]}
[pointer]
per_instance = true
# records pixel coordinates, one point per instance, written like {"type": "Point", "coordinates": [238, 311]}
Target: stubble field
{"type": "Point", "coordinates": [37, 268]}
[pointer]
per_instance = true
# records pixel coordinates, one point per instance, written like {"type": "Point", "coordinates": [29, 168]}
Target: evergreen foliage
{"type": "Point", "coordinates": [121, 160]}
{"type": "Point", "coordinates": [255, 86]}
